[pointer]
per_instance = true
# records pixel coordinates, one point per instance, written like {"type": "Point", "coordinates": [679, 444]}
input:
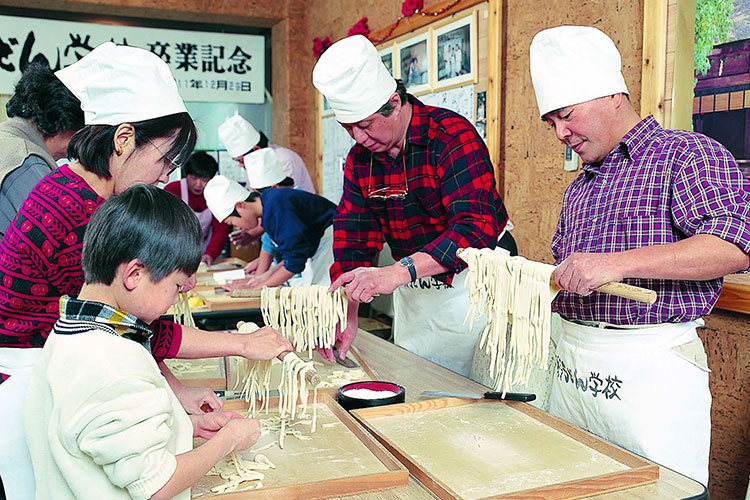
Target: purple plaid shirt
{"type": "Point", "coordinates": [657, 187]}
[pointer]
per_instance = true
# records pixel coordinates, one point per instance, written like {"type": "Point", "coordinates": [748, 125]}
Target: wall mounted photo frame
{"type": "Point", "coordinates": [414, 63]}
{"type": "Point", "coordinates": [454, 56]}
{"type": "Point", "coordinates": [389, 56]}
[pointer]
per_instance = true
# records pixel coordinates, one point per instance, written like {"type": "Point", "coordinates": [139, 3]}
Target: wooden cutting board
{"type": "Point", "coordinates": [208, 372]}
{"type": "Point", "coordinates": [478, 449]}
{"type": "Point", "coordinates": [221, 301]}
{"type": "Point", "coordinates": [340, 459]}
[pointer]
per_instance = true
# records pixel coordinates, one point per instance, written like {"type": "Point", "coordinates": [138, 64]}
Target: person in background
{"type": "Point", "coordinates": [240, 138]}
{"type": "Point", "coordinates": [419, 177]}
{"type": "Point", "coordinates": [662, 209]}
{"type": "Point", "coordinates": [111, 427]}
{"type": "Point", "coordinates": [136, 131]}
{"type": "Point", "coordinates": [298, 222]}
{"type": "Point", "coordinates": [264, 172]}
{"type": "Point", "coordinates": [197, 171]}
{"type": "Point", "coordinates": [42, 117]}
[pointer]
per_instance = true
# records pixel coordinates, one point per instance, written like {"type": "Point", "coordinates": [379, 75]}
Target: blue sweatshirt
{"type": "Point", "coordinates": [295, 220]}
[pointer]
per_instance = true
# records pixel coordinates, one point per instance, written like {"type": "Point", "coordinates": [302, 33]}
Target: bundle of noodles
{"type": "Point", "coordinates": [516, 291]}
{"type": "Point", "coordinates": [182, 313]}
{"type": "Point", "coordinates": [306, 315]}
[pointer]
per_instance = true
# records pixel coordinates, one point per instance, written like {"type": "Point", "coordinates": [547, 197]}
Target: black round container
{"type": "Point", "coordinates": [352, 403]}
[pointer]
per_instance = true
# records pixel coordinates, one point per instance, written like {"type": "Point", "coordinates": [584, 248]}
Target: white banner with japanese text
{"type": "Point", "coordinates": [208, 67]}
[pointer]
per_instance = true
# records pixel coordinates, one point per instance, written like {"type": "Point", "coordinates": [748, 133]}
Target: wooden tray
{"type": "Point", "coordinates": [324, 368]}
{"type": "Point", "coordinates": [223, 302]}
{"type": "Point", "coordinates": [479, 449]}
{"type": "Point", "coordinates": [208, 372]}
{"type": "Point", "coordinates": [341, 459]}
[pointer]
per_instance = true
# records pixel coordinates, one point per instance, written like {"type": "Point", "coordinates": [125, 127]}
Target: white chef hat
{"type": "Point", "coordinates": [221, 194]}
{"type": "Point", "coordinates": [573, 64]}
{"type": "Point", "coordinates": [238, 135]}
{"type": "Point", "coordinates": [353, 78]}
{"type": "Point", "coordinates": [118, 84]}
{"type": "Point", "coordinates": [263, 168]}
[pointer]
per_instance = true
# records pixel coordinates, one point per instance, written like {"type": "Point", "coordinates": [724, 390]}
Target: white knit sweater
{"type": "Point", "coordinates": [101, 421]}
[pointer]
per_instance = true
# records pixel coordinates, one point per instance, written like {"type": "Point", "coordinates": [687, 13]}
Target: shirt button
{"type": "Point", "coordinates": [593, 220]}
{"type": "Point", "coordinates": [580, 300]}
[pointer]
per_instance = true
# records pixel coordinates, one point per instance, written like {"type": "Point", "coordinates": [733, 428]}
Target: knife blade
{"type": "Point", "coordinates": [509, 396]}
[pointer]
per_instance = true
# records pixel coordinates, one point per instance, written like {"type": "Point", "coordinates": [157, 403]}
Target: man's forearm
{"type": "Point", "coordinates": [700, 257]}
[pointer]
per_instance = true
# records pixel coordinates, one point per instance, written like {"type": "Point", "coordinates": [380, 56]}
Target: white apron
{"type": "Point", "coordinates": [317, 267]}
{"type": "Point", "coordinates": [205, 218]}
{"type": "Point", "coordinates": [15, 463]}
{"type": "Point", "coordinates": [645, 389]}
{"type": "Point", "coordinates": [428, 320]}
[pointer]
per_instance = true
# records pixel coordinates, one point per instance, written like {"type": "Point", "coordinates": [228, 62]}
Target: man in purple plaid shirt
{"type": "Point", "coordinates": [661, 209]}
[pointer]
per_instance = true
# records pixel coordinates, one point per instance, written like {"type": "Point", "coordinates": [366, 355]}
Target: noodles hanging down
{"type": "Point", "coordinates": [255, 374]}
{"type": "Point", "coordinates": [307, 316]}
{"type": "Point", "coordinates": [293, 388]}
{"type": "Point", "coordinates": [182, 314]}
{"type": "Point", "coordinates": [510, 290]}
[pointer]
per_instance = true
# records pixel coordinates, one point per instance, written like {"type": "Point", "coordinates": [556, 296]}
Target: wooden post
{"type": "Point", "coordinates": [684, 64]}
{"type": "Point", "coordinates": [493, 127]}
{"type": "Point", "coordinates": [654, 59]}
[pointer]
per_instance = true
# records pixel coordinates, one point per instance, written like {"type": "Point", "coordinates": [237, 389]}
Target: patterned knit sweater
{"type": "Point", "coordinates": [40, 260]}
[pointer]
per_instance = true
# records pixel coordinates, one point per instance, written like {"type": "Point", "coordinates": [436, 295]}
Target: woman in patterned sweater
{"type": "Point", "coordinates": [137, 130]}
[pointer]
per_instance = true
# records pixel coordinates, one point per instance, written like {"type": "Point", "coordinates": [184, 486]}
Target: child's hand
{"type": "Point", "coordinates": [244, 432]}
{"type": "Point", "coordinates": [208, 424]}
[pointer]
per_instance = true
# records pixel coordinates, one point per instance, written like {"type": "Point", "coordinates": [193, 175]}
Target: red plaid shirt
{"type": "Point", "coordinates": [451, 203]}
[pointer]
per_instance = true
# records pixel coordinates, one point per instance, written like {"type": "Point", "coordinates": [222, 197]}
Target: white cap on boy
{"type": "Point", "coordinates": [238, 135]}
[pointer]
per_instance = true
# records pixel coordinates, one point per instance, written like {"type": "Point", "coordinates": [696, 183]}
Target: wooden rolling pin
{"type": "Point", "coordinates": [311, 376]}
{"type": "Point", "coordinates": [615, 288]}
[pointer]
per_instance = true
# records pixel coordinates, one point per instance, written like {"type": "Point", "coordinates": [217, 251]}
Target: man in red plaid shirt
{"type": "Point", "coordinates": [420, 177]}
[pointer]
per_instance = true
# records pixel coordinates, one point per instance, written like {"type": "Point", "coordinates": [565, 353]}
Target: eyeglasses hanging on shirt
{"type": "Point", "coordinates": [390, 192]}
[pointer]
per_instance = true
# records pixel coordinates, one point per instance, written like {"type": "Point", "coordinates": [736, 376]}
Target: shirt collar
{"type": "Point", "coordinates": [115, 320]}
{"type": "Point", "coordinates": [631, 145]}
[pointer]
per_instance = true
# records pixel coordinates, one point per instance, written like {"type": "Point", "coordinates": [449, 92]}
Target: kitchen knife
{"type": "Point", "coordinates": [509, 396]}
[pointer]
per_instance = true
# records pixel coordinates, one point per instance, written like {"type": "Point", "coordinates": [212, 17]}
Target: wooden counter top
{"type": "Point", "coordinates": [416, 375]}
{"type": "Point", "coordinates": [735, 296]}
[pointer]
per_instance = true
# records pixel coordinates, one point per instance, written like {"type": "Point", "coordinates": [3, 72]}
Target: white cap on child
{"type": "Point", "coordinates": [120, 84]}
{"type": "Point", "coordinates": [221, 194]}
{"type": "Point", "coordinates": [263, 169]}
{"type": "Point", "coordinates": [353, 78]}
{"type": "Point", "coordinates": [238, 135]}
{"type": "Point", "coordinates": [573, 64]}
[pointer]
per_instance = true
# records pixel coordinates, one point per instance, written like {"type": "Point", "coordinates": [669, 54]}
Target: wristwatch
{"type": "Point", "coordinates": [408, 263]}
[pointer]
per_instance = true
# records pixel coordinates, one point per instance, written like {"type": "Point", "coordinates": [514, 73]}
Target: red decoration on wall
{"type": "Point", "coordinates": [320, 46]}
{"type": "Point", "coordinates": [360, 28]}
{"type": "Point", "coordinates": [410, 7]}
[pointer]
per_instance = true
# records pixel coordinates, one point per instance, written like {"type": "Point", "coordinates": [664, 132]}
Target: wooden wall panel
{"type": "Point", "coordinates": [532, 158]}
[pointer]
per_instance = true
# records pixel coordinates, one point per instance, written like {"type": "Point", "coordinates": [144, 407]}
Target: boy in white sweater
{"type": "Point", "coordinates": [101, 421]}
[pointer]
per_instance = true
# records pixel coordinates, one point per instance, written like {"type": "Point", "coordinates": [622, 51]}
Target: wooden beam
{"type": "Point", "coordinates": [684, 67]}
{"type": "Point", "coordinates": [654, 59]}
{"type": "Point", "coordinates": [417, 21]}
{"type": "Point", "coordinates": [495, 95]}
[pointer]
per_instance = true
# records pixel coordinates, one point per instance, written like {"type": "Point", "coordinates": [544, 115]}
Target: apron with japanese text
{"type": "Point", "coordinates": [428, 320]}
{"type": "Point", "coordinates": [205, 218]}
{"type": "Point", "coordinates": [15, 463]}
{"type": "Point", "coordinates": [645, 389]}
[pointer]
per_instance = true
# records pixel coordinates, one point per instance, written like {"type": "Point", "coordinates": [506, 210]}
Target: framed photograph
{"type": "Point", "coordinates": [454, 55]}
{"type": "Point", "coordinates": [388, 56]}
{"type": "Point", "coordinates": [414, 63]}
{"type": "Point", "coordinates": [481, 113]}
{"type": "Point", "coordinates": [325, 109]}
